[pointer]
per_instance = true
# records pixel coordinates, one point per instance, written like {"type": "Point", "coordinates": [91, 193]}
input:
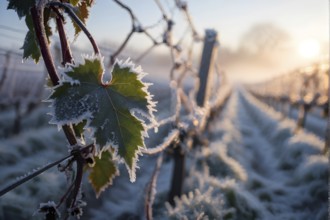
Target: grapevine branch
{"type": "Point", "coordinates": [146, 52]}
{"type": "Point", "coordinates": [167, 142]}
{"type": "Point", "coordinates": [65, 195]}
{"type": "Point", "coordinates": [37, 18]}
{"type": "Point", "coordinates": [302, 88]}
{"type": "Point", "coordinates": [151, 189]}
{"type": "Point", "coordinates": [66, 52]}
{"type": "Point", "coordinates": [122, 46]}
{"type": "Point", "coordinates": [136, 27]}
{"type": "Point", "coordinates": [5, 69]}
{"type": "Point", "coordinates": [181, 68]}
{"type": "Point", "coordinates": [80, 161]}
{"type": "Point", "coordinates": [184, 8]}
{"type": "Point", "coordinates": [161, 9]}
{"type": "Point", "coordinates": [68, 10]}
{"type": "Point", "coordinates": [162, 122]}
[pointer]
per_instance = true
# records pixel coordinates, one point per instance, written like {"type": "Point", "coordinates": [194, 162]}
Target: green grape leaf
{"type": "Point", "coordinates": [82, 13]}
{"type": "Point", "coordinates": [22, 7]}
{"type": "Point", "coordinates": [79, 128]}
{"type": "Point", "coordinates": [30, 46]}
{"type": "Point", "coordinates": [103, 172]}
{"type": "Point", "coordinates": [89, 2]}
{"type": "Point", "coordinates": [109, 107]}
{"type": "Point", "coordinates": [74, 2]}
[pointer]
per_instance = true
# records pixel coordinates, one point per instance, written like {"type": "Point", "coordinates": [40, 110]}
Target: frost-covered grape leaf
{"type": "Point", "coordinates": [22, 7]}
{"type": "Point", "coordinates": [109, 108]}
{"type": "Point", "coordinates": [103, 172]}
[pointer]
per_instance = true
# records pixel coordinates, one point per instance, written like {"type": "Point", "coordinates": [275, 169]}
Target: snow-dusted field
{"type": "Point", "coordinates": [255, 167]}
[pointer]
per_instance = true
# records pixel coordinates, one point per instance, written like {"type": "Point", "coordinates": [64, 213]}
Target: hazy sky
{"type": "Point", "coordinates": [301, 19]}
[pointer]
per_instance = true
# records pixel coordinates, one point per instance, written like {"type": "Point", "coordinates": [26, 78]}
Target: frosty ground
{"type": "Point", "coordinates": [255, 167]}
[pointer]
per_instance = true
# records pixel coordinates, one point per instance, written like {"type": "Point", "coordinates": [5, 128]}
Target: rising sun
{"type": "Point", "coordinates": [309, 48]}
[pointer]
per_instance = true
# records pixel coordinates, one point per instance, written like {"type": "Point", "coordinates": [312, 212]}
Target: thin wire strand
{"type": "Point", "coordinates": [32, 175]}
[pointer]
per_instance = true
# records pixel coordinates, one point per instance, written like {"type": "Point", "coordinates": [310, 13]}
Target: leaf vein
{"type": "Point", "coordinates": [115, 109]}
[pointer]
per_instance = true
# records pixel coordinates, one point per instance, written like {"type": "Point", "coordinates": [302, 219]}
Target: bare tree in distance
{"type": "Point", "coordinates": [264, 49]}
{"type": "Point", "coordinates": [263, 39]}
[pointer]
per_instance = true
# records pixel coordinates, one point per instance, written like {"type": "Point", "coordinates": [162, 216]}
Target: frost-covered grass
{"type": "Point", "coordinates": [315, 122]}
{"type": "Point", "coordinates": [34, 120]}
{"type": "Point", "coordinates": [21, 155]}
{"type": "Point", "coordinates": [256, 167]}
{"type": "Point", "coordinates": [257, 141]}
{"type": "Point", "coordinates": [292, 153]}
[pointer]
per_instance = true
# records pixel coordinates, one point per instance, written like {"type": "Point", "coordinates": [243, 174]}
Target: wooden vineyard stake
{"type": "Point", "coordinates": [205, 76]}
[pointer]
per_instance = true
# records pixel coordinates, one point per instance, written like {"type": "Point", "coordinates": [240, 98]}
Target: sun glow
{"type": "Point", "coordinates": [309, 49]}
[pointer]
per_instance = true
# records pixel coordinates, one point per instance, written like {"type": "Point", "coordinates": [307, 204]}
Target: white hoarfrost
{"type": "Point", "coordinates": [141, 74]}
{"type": "Point", "coordinates": [49, 208]}
{"type": "Point", "coordinates": [256, 167]}
{"type": "Point", "coordinates": [85, 111]}
{"type": "Point", "coordinates": [174, 134]}
{"type": "Point", "coordinates": [150, 116]}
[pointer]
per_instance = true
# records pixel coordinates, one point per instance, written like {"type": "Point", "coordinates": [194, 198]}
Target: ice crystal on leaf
{"type": "Point", "coordinates": [108, 107]}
